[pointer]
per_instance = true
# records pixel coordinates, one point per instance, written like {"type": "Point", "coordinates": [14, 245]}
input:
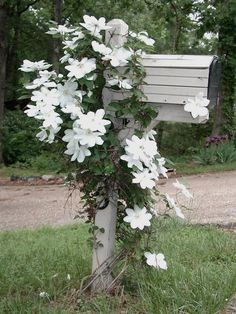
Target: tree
{"type": "Point", "coordinates": [218, 16]}
{"type": "Point", "coordinates": [4, 17]}
{"type": "Point", "coordinates": [9, 11]}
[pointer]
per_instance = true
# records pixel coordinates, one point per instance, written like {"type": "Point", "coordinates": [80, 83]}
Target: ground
{"type": "Point", "coordinates": [35, 206]}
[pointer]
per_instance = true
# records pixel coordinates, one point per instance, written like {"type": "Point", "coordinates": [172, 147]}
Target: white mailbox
{"type": "Point", "coordinates": [172, 79]}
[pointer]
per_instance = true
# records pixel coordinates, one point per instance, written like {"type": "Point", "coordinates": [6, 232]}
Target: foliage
{"type": "Point", "coordinates": [42, 259]}
{"type": "Point", "coordinates": [71, 107]}
{"type": "Point", "coordinates": [188, 137]}
{"type": "Point", "coordinates": [214, 154]}
{"type": "Point", "coordinates": [19, 133]}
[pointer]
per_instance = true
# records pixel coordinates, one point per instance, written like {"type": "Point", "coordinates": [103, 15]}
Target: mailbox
{"type": "Point", "coordinates": [172, 79]}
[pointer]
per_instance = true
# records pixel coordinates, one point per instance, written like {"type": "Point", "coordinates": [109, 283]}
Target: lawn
{"type": "Point", "coordinates": [182, 166]}
{"type": "Point", "coordinates": [201, 273]}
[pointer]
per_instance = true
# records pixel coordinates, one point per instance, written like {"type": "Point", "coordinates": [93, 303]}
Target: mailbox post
{"type": "Point", "coordinates": [171, 80]}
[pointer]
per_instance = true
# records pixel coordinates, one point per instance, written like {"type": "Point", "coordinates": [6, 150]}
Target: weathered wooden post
{"type": "Point", "coordinates": [171, 80]}
{"type": "Point", "coordinates": [105, 219]}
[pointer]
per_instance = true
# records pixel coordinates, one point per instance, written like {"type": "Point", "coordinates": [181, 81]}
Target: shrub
{"type": "Point", "coordinates": [224, 152]}
{"type": "Point", "coordinates": [19, 141]}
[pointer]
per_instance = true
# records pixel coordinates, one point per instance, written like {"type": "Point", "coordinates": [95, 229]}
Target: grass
{"type": "Point", "coordinates": [182, 165]}
{"type": "Point", "coordinates": [200, 277]}
{"type": "Point", "coordinates": [185, 167]}
{"type": "Point", "coordinates": [21, 172]}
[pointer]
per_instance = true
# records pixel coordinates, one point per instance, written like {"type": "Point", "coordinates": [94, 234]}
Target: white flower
{"type": "Point", "coordinates": [172, 205]}
{"type": "Point", "coordinates": [89, 138]}
{"type": "Point", "coordinates": [183, 189]}
{"type": "Point", "coordinates": [156, 260]}
{"type": "Point", "coordinates": [79, 69]}
{"type": "Point", "coordinates": [160, 168]}
{"type": "Point", "coordinates": [60, 29]}
{"type": "Point", "coordinates": [44, 294]}
{"type": "Point", "coordinates": [94, 121]}
{"type": "Point", "coordinates": [44, 136]}
{"type": "Point", "coordinates": [141, 149]}
{"type": "Point", "coordinates": [65, 58]}
{"type": "Point", "coordinates": [73, 42]}
{"type": "Point", "coordinates": [118, 57]}
{"type": "Point", "coordinates": [46, 96]}
{"type": "Point", "coordinates": [66, 93]}
{"type": "Point", "coordinates": [68, 277]}
{"type": "Point", "coordinates": [74, 110]}
{"type": "Point", "coordinates": [43, 79]}
{"type": "Point", "coordinates": [144, 178]}
{"type": "Point", "coordinates": [101, 48]}
{"type": "Point", "coordinates": [150, 135]}
{"type": "Point", "coordinates": [29, 66]}
{"type": "Point", "coordinates": [122, 83]}
{"type": "Point", "coordinates": [94, 26]}
{"type": "Point", "coordinates": [132, 162]}
{"type": "Point", "coordinates": [73, 148]}
{"type": "Point", "coordinates": [32, 110]}
{"type": "Point", "coordinates": [138, 217]}
{"type": "Point", "coordinates": [51, 119]}
{"type": "Point", "coordinates": [133, 34]}
{"type": "Point", "coordinates": [70, 44]}
{"type": "Point", "coordinates": [197, 106]}
{"type": "Point", "coordinates": [143, 36]}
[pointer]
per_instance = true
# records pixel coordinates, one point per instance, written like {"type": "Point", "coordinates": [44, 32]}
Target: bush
{"type": "Point", "coordinates": [19, 141]}
{"type": "Point", "coordinates": [51, 161]}
{"type": "Point", "coordinates": [216, 154]}
{"type": "Point", "coordinates": [177, 139]}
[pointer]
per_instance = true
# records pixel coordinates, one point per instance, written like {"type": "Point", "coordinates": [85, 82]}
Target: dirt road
{"type": "Point", "coordinates": [35, 206]}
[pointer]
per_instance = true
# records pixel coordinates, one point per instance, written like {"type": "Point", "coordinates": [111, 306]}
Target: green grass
{"type": "Point", "coordinates": [184, 167]}
{"type": "Point", "coordinates": [200, 277]}
{"type": "Point", "coordinates": [21, 172]}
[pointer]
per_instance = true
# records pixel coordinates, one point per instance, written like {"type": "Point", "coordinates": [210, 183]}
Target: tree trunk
{"type": "Point", "coordinates": [12, 62]}
{"type": "Point", "coordinates": [224, 118]}
{"type": "Point", "coordinates": [3, 59]}
{"type": "Point", "coordinates": [57, 8]}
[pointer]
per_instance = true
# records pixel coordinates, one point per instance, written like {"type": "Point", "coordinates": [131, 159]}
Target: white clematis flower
{"type": "Point", "coordinates": [94, 121]}
{"type": "Point", "coordinates": [160, 168]}
{"type": "Point", "coordinates": [73, 109]}
{"type": "Point", "coordinates": [60, 29]}
{"type": "Point", "coordinates": [197, 106]}
{"type": "Point", "coordinates": [67, 93]}
{"type": "Point", "coordinates": [145, 178]}
{"type": "Point", "coordinates": [122, 83]}
{"type": "Point", "coordinates": [94, 26]}
{"type": "Point", "coordinates": [43, 79]}
{"type": "Point", "coordinates": [73, 148]}
{"type": "Point", "coordinates": [89, 138]}
{"type": "Point", "coordinates": [79, 69]}
{"type": "Point", "coordinates": [172, 205]}
{"type": "Point", "coordinates": [101, 48]}
{"type": "Point", "coordinates": [141, 149]}
{"type": "Point", "coordinates": [51, 119]}
{"type": "Point", "coordinates": [44, 136]}
{"type": "Point", "coordinates": [132, 162]}
{"type": "Point", "coordinates": [65, 58]}
{"type": "Point", "coordinates": [118, 57]}
{"type": "Point", "coordinates": [156, 260]}
{"type": "Point", "coordinates": [138, 217]}
{"type": "Point", "coordinates": [143, 36]}
{"type": "Point", "coordinates": [183, 189]}
{"type": "Point", "coordinates": [49, 97]}
{"type": "Point", "coordinates": [29, 66]}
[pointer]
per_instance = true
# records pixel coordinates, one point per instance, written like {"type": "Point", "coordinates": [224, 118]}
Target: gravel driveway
{"type": "Point", "coordinates": [35, 206]}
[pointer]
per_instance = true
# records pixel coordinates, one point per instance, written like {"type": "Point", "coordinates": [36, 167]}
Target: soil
{"type": "Point", "coordinates": [33, 206]}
